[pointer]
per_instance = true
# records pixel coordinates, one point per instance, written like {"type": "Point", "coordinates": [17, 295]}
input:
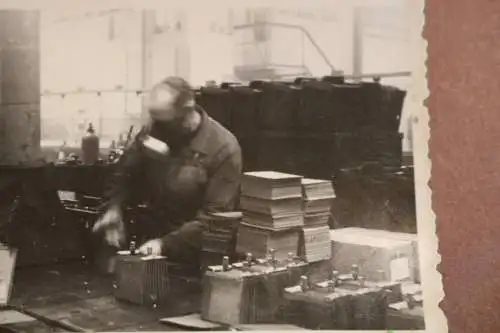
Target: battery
{"type": "Point", "coordinates": [333, 304]}
{"type": "Point", "coordinates": [142, 280]}
{"type": "Point", "coordinates": [249, 292]}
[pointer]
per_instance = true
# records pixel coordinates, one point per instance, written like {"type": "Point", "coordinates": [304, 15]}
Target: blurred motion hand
{"type": "Point", "coordinates": [112, 225]}
{"type": "Point", "coordinates": [115, 237]}
{"type": "Point", "coordinates": [155, 245]}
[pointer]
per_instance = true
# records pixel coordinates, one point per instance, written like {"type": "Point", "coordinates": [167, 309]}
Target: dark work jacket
{"type": "Point", "coordinates": [201, 177]}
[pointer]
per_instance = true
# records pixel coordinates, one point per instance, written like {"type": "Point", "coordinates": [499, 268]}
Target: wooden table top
{"type": "Point", "coordinates": [77, 293]}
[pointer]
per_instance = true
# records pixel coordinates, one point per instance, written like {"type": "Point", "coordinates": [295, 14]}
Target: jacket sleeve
{"type": "Point", "coordinates": [221, 195]}
{"type": "Point", "coordinates": [224, 185]}
{"type": "Point", "coordinates": [124, 176]}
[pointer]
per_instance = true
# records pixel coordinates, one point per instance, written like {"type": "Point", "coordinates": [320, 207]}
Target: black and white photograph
{"type": "Point", "coordinates": [215, 167]}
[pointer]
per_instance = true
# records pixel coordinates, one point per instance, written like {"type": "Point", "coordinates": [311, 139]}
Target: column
{"type": "Point", "coordinates": [19, 87]}
{"type": "Point", "coordinates": [147, 23]}
{"type": "Point", "coordinates": [345, 35]}
{"type": "Point", "coordinates": [412, 105]}
{"type": "Point", "coordinates": [358, 40]}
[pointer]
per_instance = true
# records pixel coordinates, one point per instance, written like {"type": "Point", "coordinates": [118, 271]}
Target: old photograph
{"type": "Point", "coordinates": [215, 167]}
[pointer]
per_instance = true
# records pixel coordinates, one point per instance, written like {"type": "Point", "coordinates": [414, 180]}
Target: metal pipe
{"type": "Point", "coordinates": [89, 15]}
{"type": "Point", "coordinates": [357, 47]}
{"type": "Point", "coordinates": [293, 27]}
{"type": "Point", "coordinates": [380, 75]}
{"type": "Point", "coordinates": [146, 22]}
{"type": "Point", "coordinates": [92, 91]}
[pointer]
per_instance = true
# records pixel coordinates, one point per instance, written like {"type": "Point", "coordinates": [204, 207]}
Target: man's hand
{"type": "Point", "coordinates": [112, 225]}
{"type": "Point", "coordinates": [115, 236]}
{"type": "Point", "coordinates": [155, 245]}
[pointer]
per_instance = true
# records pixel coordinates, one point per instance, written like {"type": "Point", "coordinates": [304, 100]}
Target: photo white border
{"type": "Point", "coordinates": [417, 93]}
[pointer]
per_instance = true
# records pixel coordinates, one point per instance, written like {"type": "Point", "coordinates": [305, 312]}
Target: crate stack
{"type": "Point", "coordinates": [285, 125]}
{"type": "Point", "coordinates": [318, 195]}
{"type": "Point", "coordinates": [350, 123]}
{"type": "Point", "coordinates": [272, 214]}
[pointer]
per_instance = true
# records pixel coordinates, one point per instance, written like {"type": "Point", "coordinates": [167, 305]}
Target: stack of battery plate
{"type": "Point", "coordinates": [272, 213]}
{"type": "Point", "coordinates": [275, 213]}
{"type": "Point", "coordinates": [221, 231]}
{"type": "Point", "coordinates": [316, 244]}
{"type": "Point", "coordinates": [315, 239]}
{"type": "Point", "coordinates": [260, 240]}
{"type": "Point", "coordinates": [318, 197]}
{"type": "Point", "coordinates": [219, 239]}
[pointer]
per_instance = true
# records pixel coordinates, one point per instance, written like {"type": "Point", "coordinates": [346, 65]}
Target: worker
{"type": "Point", "coordinates": [199, 174]}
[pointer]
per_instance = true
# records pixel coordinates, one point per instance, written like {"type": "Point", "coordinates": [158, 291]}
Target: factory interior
{"type": "Point", "coordinates": [316, 98]}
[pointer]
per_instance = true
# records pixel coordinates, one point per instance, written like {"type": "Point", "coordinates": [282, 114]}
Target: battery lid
{"type": "Point", "coordinates": [7, 265]}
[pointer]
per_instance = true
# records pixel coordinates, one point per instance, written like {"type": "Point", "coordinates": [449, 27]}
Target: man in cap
{"type": "Point", "coordinates": [196, 173]}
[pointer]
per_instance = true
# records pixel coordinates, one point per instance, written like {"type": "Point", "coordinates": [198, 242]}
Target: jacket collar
{"type": "Point", "coordinates": [200, 143]}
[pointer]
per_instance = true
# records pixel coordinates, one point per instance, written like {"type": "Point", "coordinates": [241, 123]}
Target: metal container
{"type": "Point", "coordinates": [335, 304]}
{"type": "Point", "coordinates": [142, 280]}
{"type": "Point", "coordinates": [249, 292]}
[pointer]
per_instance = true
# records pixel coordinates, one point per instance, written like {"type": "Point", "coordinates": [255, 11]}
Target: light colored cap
{"type": "Point", "coordinates": [162, 101]}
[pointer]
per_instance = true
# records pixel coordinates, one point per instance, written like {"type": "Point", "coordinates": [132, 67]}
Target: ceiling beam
{"type": "Point", "coordinates": [89, 15]}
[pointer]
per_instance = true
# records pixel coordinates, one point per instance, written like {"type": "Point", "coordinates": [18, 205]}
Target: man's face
{"type": "Point", "coordinates": [167, 114]}
{"type": "Point", "coordinates": [163, 104]}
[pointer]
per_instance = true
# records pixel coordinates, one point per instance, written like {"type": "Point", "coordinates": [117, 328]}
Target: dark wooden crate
{"type": "Point", "coordinates": [316, 111]}
{"type": "Point", "coordinates": [278, 105]}
{"type": "Point", "coordinates": [245, 108]}
{"type": "Point", "coordinates": [216, 102]}
{"type": "Point", "coordinates": [278, 151]}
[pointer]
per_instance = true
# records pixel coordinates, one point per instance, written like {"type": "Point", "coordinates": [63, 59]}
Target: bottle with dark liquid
{"type": "Point", "coordinates": [61, 154]}
{"type": "Point", "coordinates": [90, 146]}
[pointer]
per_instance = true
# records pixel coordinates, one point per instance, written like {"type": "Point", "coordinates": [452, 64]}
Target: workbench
{"type": "Point", "coordinates": [75, 292]}
{"type": "Point", "coordinates": [44, 230]}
